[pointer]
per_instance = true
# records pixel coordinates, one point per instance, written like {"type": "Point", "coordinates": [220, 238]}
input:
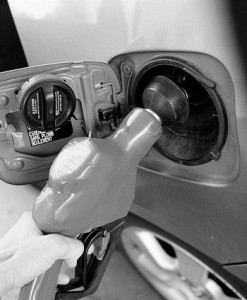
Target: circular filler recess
{"type": "Point", "coordinates": [200, 137]}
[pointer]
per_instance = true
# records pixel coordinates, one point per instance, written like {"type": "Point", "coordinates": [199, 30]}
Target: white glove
{"type": "Point", "coordinates": [25, 253]}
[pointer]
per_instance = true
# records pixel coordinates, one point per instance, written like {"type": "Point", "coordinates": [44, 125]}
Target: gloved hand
{"type": "Point", "coordinates": [25, 253]}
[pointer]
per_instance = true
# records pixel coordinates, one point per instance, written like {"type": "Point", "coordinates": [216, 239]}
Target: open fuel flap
{"type": "Point", "coordinates": [44, 107]}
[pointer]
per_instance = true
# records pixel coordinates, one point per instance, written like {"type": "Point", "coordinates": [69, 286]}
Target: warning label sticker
{"type": "Point", "coordinates": [59, 103]}
{"type": "Point", "coordinates": [38, 137]}
{"type": "Point", "coordinates": [35, 106]}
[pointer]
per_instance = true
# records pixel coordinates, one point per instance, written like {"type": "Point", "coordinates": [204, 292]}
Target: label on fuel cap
{"type": "Point", "coordinates": [34, 106]}
{"type": "Point", "coordinates": [46, 104]}
{"type": "Point", "coordinates": [60, 102]}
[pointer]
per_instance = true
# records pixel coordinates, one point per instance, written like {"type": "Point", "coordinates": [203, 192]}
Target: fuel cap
{"type": "Point", "coordinates": [167, 100]}
{"type": "Point", "coordinates": [46, 102]}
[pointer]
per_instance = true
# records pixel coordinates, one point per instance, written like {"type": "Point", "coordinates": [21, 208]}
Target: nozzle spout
{"type": "Point", "coordinates": [138, 132]}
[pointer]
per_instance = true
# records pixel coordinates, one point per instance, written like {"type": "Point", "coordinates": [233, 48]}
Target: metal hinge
{"type": "Point", "coordinates": [111, 114]}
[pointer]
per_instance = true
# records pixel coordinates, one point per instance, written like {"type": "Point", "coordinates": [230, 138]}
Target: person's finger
{"type": "Point", "coordinates": [65, 248]}
{"type": "Point", "coordinates": [27, 225]}
{"type": "Point", "coordinates": [71, 263]}
{"type": "Point", "coordinates": [63, 279]}
{"type": "Point", "coordinates": [24, 228]}
{"type": "Point", "coordinates": [91, 249]}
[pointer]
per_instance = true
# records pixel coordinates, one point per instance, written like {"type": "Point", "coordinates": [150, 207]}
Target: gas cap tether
{"type": "Point", "coordinates": [167, 100]}
{"type": "Point", "coordinates": [46, 102]}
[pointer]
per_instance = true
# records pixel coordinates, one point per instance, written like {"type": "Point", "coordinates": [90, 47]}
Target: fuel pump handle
{"type": "Point", "coordinates": [91, 187]}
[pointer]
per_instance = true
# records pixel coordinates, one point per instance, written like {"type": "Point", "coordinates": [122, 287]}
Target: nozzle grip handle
{"type": "Point", "coordinates": [88, 274]}
{"type": "Point", "coordinates": [80, 167]}
{"type": "Point", "coordinates": [43, 287]}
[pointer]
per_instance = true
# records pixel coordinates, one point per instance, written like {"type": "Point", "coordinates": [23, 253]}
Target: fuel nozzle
{"type": "Point", "coordinates": [167, 100]}
{"type": "Point", "coordinates": [90, 190]}
{"type": "Point", "coordinates": [92, 181]}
